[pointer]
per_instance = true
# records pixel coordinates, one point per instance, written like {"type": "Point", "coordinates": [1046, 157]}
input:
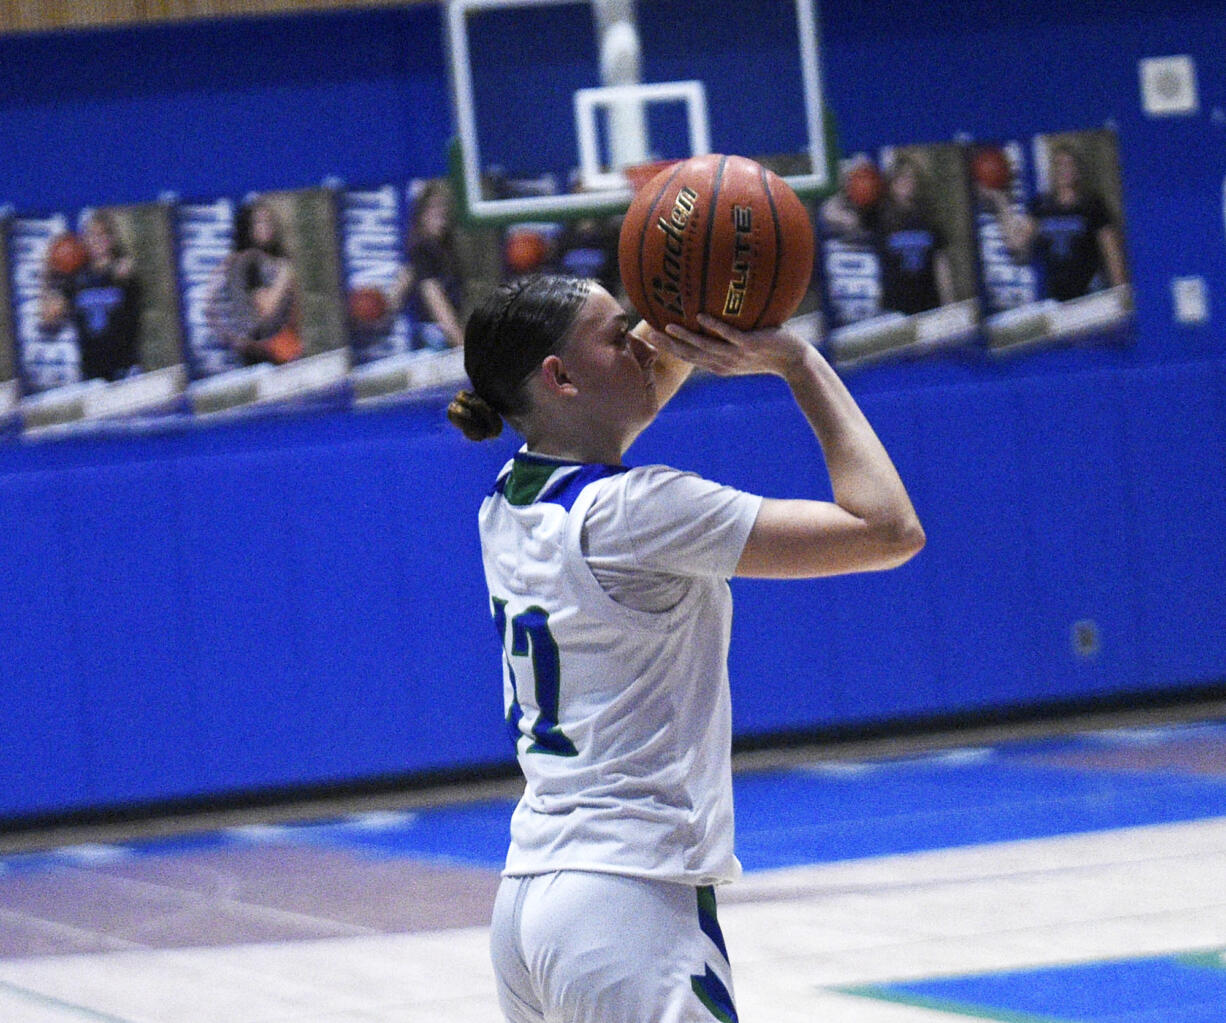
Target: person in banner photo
{"type": "Point", "coordinates": [254, 303]}
{"type": "Point", "coordinates": [897, 260]}
{"type": "Point", "coordinates": [372, 263]}
{"type": "Point", "coordinates": [91, 282]}
{"type": "Point", "coordinates": [894, 220]}
{"type": "Point", "coordinates": [431, 286]}
{"type": "Point", "coordinates": [1068, 230]}
{"type": "Point", "coordinates": [9, 387]}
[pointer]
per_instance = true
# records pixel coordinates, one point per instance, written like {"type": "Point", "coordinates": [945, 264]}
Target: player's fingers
{"type": "Point", "coordinates": [720, 329]}
{"type": "Point", "coordinates": [680, 341]}
{"type": "Point", "coordinates": [695, 340]}
{"type": "Point", "coordinates": [686, 345]}
{"type": "Point", "coordinates": [703, 350]}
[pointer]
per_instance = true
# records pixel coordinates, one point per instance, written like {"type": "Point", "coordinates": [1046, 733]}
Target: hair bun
{"type": "Point", "coordinates": [474, 416]}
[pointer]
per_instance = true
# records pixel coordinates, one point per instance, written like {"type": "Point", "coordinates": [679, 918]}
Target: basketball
{"type": "Point", "coordinates": [716, 234]}
{"type": "Point", "coordinates": [367, 306]}
{"type": "Point", "coordinates": [863, 185]}
{"type": "Point", "coordinates": [67, 254]}
{"type": "Point", "coordinates": [990, 168]}
{"type": "Point", "coordinates": [525, 250]}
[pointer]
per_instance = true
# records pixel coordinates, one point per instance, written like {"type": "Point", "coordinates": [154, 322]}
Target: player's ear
{"type": "Point", "coordinates": [553, 372]}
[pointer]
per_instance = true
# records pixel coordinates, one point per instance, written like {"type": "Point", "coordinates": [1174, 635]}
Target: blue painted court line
{"type": "Point", "coordinates": [1166, 989]}
{"type": "Point", "coordinates": [826, 811]}
{"type": "Point", "coordinates": [808, 817]}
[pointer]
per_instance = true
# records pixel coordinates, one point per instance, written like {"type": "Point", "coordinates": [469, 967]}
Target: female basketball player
{"type": "Point", "coordinates": [253, 305]}
{"type": "Point", "coordinates": [1069, 230]}
{"type": "Point", "coordinates": [102, 299]}
{"type": "Point", "coordinates": [608, 589]}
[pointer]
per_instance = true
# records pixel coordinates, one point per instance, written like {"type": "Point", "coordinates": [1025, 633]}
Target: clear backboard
{"type": "Point", "coordinates": [554, 99]}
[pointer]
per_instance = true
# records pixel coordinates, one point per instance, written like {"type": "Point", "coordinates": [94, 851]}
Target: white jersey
{"type": "Point", "coordinates": [621, 717]}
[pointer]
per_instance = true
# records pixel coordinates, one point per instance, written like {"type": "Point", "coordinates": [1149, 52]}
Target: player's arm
{"type": "Point", "coordinates": [1017, 228]}
{"type": "Point", "coordinates": [840, 218]}
{"type": "Point", "coordinates": [442, 311]}
{"type": "Point", "coordinates": [1112, 248]}
{"type": "Point", "coordinates": [871, 523]}
{"type": "Point", "coordinates": [52, 308]}
{"type": "Point", "coordinates": [944, 271]}
{"type": "Point", "coordinates": [273, 302]}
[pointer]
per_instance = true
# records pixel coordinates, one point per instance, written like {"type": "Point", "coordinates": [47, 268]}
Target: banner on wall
{"type": "Point", "coordinates": [94, 318]}
{"type": "Point", "coordinates": [410, 271]}
{"type": "Point", "coordinates": [896, 256]}
{"type": "Point", "coordinates": [263, 321]}
{"type": "Point", "coordinates": [1050, 239]}
{"type": "Point", "coordinates": [10, 390]}
{"type": "Point", "coordinates": [323, 297]}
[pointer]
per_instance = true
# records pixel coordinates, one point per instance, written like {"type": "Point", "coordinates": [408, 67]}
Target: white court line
{"type": "Point", "coordinates": [30, 1007]}
{"type": "Point", "coordinates": [793, 934]}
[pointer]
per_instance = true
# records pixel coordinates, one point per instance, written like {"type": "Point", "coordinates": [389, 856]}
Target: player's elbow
{"type": "Point", "coordinates": [899, 540]}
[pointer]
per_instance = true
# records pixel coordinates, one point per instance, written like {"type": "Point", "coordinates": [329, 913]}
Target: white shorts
{"type": "Point", "coordinates": [579, 947]}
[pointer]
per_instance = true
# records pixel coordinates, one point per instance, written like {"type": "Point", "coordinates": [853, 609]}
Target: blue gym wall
{"type": "Point", "coordinates": [292, 602]}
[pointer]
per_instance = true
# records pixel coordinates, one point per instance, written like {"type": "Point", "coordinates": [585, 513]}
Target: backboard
{"type": "Point", "coordinates": [554, 98]}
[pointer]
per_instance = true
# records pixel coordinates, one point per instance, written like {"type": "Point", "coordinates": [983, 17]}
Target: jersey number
{"type": "Point", "coordinates": [528, 635]}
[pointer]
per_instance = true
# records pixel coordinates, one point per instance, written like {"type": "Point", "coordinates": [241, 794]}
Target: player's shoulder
{"type": "Point", "coordinates": [679, 488]}
{"type": "Point", "coordinates": [650, 477]}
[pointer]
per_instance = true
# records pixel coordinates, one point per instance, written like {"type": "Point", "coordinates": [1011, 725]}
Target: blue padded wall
{"type": "Point", "coordinates": [297, 601]}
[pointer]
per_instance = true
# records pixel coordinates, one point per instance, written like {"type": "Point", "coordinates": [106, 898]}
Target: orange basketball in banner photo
{"type": "Point", "coordinates": [367, 305]}
{"type": "Point", "coordinates": [67, 253]}
{"type": "Point", "coordinates": [990, 168]}
{"type": "Point", "coordinates": [863, 185]}
{"type": "Point", "coordinates": [526, 249]}
{"type": "Point", "coordinates": [716, 234]}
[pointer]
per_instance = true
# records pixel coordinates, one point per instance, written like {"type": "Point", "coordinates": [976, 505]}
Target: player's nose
{"type": "Point", "coordinates": [644, 351]}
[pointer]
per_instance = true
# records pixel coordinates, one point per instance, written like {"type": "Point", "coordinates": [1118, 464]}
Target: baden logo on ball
{"type": "Point", "coordinates": [720, 235]}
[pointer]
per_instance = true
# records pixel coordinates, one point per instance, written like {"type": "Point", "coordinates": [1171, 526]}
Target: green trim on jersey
{"type": "Point", "coordinates": [716, 998]}
{"type": "Point", "coordinates": [526, 481]}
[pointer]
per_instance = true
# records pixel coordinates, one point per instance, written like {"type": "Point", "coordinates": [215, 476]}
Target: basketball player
{"type": "Point", "coordinates": [253, 305]}
{"type": "Point", "coordinates": [911, 247]}
{"type": "Point", "coordinates": [431, 286]}
{"type": "Point", "coordinates": [103, 301]}
{"type": "Point", "coordinates": [1069, 230]}
{"type": "Point", "coordinates": [608, 590]}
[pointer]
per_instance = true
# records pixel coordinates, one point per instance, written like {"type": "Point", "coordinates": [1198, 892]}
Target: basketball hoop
{"type": "Point", "coordinates": [638, 174]}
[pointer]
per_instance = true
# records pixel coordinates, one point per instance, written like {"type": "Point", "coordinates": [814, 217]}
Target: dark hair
{"type": "Point", "coordinates": [110, 224]}
{"type": "Point", "coordinates": [505, 340]}
{"type": "Point", "coordinates": [431, 190]}
{"type": "Point", "coordinates": [243, 218]}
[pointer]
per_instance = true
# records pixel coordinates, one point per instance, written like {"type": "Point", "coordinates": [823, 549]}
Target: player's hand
{"type": "Point", "coordinates": [52, 309]}
{"type": "Point", "coordinates": [997, 198]}
{"type": "Point", "coordinates": [726, 351]}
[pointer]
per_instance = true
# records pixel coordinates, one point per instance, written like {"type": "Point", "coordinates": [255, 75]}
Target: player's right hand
{"type": "Point", "coordinates": [727, 351]}
{"type": "Point", "coordinates": [52, 308]}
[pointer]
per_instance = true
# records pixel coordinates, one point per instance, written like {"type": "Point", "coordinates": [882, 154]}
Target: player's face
{"type": "Point", "coordinates": [98, 241]}
{"type": "Point", "coordinates": [903, 185]}
{"type": "Point", "coordinates": [263, 226]}
{"type": "Point", "coordinates": [436, 216]}
{"type": "Point", "coordinates": [612, 368]}
{"type": "Point", "coordinates": [1064, 170]}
